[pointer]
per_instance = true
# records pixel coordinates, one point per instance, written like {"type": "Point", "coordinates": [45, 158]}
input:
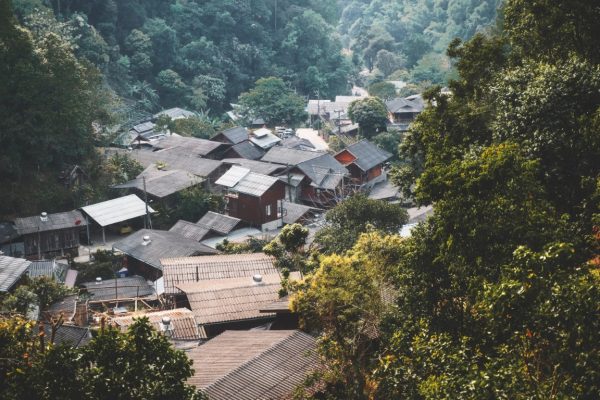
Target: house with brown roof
{"type": "Point", "coordinates": [364, 160]}
{"type": "Point", "coordinates": [177, 271]}
{"type": "Point", "coordinates": [233, 303]}
{"type": "Point", "coordinates": [252, 365]}
{"type": "Point", "coordinates": [48, 235]}
{"type": "Point", "coordinates": [254, 198]}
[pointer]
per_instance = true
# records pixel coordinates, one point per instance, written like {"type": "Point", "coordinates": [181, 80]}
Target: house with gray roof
{"type": "Point", "coordinates": [364, 160]}
{"type": "Point", "coordinates": [146, 247]}
{"type": "Point", "coordinates": [52, 269]}
{"type": "Point", "coordinates": [235, 135]}
{"type": "Point", "coordinates": [193, 146]}
{"type": "Point", "coordinates": [245, 150]}
{"type": "Point", "coordinates": [315, 177]}
{"type": "Point", "coordinates": [254, 198]}
{"type": "Point", "coordinates": [161, 184]}
{"type": "Point", "coordinates": [51, 234]}
{"type": "Point", "coordinates": [402, 111]}
{"type": "Point", "coordinates": [254, 364]}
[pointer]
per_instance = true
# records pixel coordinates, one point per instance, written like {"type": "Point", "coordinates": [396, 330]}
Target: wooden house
{"type": "Point", "coordinates": [254, 198]}
{"type": "Point", "coordinates": [364, 161]}
{"type": "Point", "coordinates": [48, 235]}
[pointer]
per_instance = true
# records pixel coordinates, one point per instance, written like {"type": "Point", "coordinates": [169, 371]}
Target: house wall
{"type": "Point", "coordinates": [136, 267]}
{"type": "Point", "coordinates": [253, 210]}
{"type": "Point", "coordinates": [374, 172]}
{"type": "Point", "coordinates": [52, 242]}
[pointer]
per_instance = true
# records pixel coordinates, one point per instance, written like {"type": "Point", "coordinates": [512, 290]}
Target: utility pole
{"type": "Point", "coordinates": [149, 222]}
{"type": "Point", "coordinates": [339, 118]}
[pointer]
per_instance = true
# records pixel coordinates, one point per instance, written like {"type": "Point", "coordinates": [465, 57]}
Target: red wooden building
{"type": "Point", "coordinates": [364, 161]}
{"type": "Point", "coordinates": [254, 198]}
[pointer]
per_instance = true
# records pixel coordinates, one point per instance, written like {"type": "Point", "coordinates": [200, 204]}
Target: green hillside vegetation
{"type": "Point", "coordinates": [407, 39]}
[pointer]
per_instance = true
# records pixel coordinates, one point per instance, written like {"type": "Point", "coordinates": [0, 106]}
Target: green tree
{"type": "Point", "coordinates": [370, 114]}
{"type": "Point", "coordinates": [353, 216]}
{"type": "Point", "coordinates": [138, 364]}
{"type": "Point", "coordinates": [288, 248]}
{"type": "Point", "coordinates": [272, 100]}
{"type": "Point", "coordinates": [383, 90]}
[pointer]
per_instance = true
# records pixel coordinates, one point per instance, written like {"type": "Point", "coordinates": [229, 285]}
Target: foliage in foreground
{"type": "Point", "coordinates": [136, 365]}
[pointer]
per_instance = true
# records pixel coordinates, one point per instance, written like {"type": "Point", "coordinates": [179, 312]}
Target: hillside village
{"type": "Point", "coordinates": [182, 277]}
{"type": "Point", "coordinates": [299, 199]}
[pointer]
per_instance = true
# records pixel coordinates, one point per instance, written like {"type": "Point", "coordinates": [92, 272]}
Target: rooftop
{"type": "Point", "coordinates": [67, 307]}
{"type": "Point", "coordinates": [242, 180]}
{"type": "Point", "coordinates": [49, 268]}
{"type": "Point", "coordinates": [325, 171]}
{"type": "Point", "coordinates": [175, 113]}
{"type": "Point", "coordinates": [63, 220]}
{"type": "Point", "coordinates": [119, 289]}
{"type": "Point", "coordinates": [255, 166]}
{"type": "Point", "coordinates": [161, 244]}
{"type": "Point", "coordinates": [293, 212]}
{"type": "Point", "coordinates": [253, 364]}
{"type": "Point", "coordinates": [190, 230]}
{"type": "Point", "coordinates": [182, 323]}
{"type": "Point", "coordinates": [218, 223]}
{"type": "Point", "coordinates": [172, 158]}
{"type": "Point", "coordinates": [235, 135]}
{"type": "Point", "coordinates": [367, 155]}
{"type": "Point", "coordinates": [116, 210]}
{"type": "Point", "coordinates": [69, 335]}
{"type": "Point", "coordinates": [11, 270]}
{"type": "Point", "coordinates": [411, 104]}
{"type": "Point", "coordinates": [286, 156]}
{"type": "Point", "coordinates": [177, 271]}
{"type": "Point", "coordinates": [236, 299]}
{"type": "Point", "coordinates": [191, 145]}
{"type": "Point", "coordinates": [247, 150]}
{"type": "Point", "coordinates": [162, 183]}
{"type": "Point", "coordinates": [264, 139]}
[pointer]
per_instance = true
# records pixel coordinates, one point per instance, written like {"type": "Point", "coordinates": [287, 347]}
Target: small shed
{"type": "Point", "coordinates": [116, 211]}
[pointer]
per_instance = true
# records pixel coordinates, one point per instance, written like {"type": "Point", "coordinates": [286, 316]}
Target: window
{"type": "Point", "coordinates": [268, 209]}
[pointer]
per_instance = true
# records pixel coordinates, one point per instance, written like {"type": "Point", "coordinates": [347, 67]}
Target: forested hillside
{"type": "Point", "coordinates": [203, 54]}
{"type": "Point", "coordinates": [408, 39]}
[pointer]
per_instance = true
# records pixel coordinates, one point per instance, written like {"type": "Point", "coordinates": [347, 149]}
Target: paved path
{"type": "Point", "coordinates": [312, 136]}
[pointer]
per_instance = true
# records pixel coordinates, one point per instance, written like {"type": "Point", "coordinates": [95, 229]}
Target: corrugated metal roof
{"type": "Point", "coordinates": [235, 135]}
{"type": "Point", "coordinates": [69, 335]}
{"type": "Point", "coordinates": [292, 212]}
{"type": "Point", "coordinates": [11, 270]}
{"type": "Point", "coordinates": [162, 244]}
{"type": "Point", "coordinates": [194, 269]}
{"type": "Point", "coordinates": [175, 113]}
{"type": "Point", "coordinates": [225, 300]}
{"type": "Point", "coordinates": [121, 288]}
{"type": "Point", "coordinates": [286, 156]}
{"type": "Point", "coordinates": [255, 166]}
{"type": "Point", "coordinates": [241, 180]}
{"type": "Point", "coordinates": [280, 305]}
{"type": "Point", "coordinates": [232, 176]}
{"type": "Point", "coordinates": [172, 158]}
{"type": "Point", "coordinates": [411, 104]}
{"type": "Point", "coordinates": [56, 221]}
{"type": "Point", "coordinates": [367, 154]}
{"type": "Point", "coordinates": [162, 183]}
{"type": "Point", "coordinates": [265, 141]}
{"type": "Point", "coordinates": [49, 268]}
{"type": "Point", "coordinates": [190, 145]}
{"type": "Point", "coordinates": [247, 150]}
{"type": "Point", "coordinates": [384, 191]}
{"type": "Point", "coordinates": [253, 364]}
{"type": "Point", "coordinates": [218, 223]}
{"type": "Point", "coordinates": [190, 230]}
{"type": "Point", "coordinates": [183, 323]}
{"type": "Point", "coordinates": [117, 210]}
{"type": "Point", "coordinates": [325, 171]}
{"type": "Point", "coordinates": [255, 184]}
